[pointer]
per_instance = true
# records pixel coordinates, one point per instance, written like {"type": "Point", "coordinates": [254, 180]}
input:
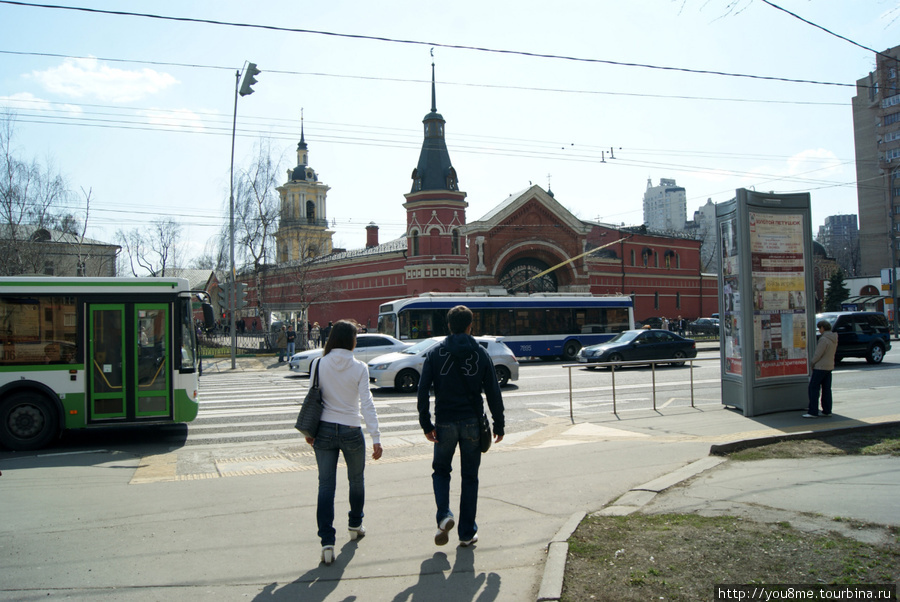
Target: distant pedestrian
{"type": "Point", "coordinates": [681, 324]}
{"type": "Point", "coordinates": [822, 366]}
{"type": "Point", "coordinates": [316, 332]}
{"type": "Point", "coordinates": [665, 323]}
{"type": "Point", "coordinates": [281, 343]}
{"type": "Point", "coordinates": [291, 337]}
{"type": "Point", "coordinates": [326, 332]}
{"type": "Point", "coordinates": [344, 381]}
{"type": "Point", "coordinates": [459, 368]}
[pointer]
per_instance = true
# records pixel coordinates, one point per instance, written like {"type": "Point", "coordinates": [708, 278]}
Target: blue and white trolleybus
{"type": "Point", "coordinates": [535, 325]}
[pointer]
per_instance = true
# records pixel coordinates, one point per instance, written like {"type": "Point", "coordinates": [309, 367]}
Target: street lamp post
{"type": "Point", "coordinates": [242, 89]}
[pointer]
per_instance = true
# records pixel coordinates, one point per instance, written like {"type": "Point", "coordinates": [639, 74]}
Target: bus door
{"type": "Point", "coordinates": [129, 355]}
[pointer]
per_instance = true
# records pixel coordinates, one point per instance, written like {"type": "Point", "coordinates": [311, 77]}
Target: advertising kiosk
{"type": "Point", "coordinates": [766, 301]}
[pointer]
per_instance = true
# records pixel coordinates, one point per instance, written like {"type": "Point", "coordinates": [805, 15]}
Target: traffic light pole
{"type": "Point", "coordinates": [232, 291]}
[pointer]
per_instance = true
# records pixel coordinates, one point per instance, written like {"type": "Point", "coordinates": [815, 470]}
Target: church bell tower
{"type": "Point", "coordinates": [303, 220]}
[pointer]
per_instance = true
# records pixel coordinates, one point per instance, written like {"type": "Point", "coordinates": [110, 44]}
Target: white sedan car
{"type": "Point", "coordinates": [368, 346]}
{"type": "Point", "coordinates": [402, 369]}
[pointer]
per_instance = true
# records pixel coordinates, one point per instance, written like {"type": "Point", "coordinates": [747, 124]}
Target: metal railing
{"type": "Point", "coordinates": [613, 365]}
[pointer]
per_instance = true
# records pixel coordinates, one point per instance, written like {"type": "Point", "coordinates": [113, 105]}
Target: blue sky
{"type": "Point", "coordinates": [154, 139]}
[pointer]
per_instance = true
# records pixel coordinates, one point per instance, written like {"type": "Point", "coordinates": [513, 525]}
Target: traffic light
{"type": "Point", "coordinates": [224, 296]}
{"type": "Point", "coordinates": [249, 80]}
{"type": "Point", "coordinates": [241, 295]}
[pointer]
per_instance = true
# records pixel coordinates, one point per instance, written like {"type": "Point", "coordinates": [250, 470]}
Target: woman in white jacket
{"type": "Point", "coordinates": [344, 381]}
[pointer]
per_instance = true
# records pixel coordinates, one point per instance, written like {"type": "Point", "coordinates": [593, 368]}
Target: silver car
{"type": "Point", "coordinates": [402, 369]}
{"type": "Point", "coordinates": [368, 346]}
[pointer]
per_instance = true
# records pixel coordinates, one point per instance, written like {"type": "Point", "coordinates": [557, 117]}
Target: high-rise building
{"type": "Point", "coordinates": [840, 237]}
{"type": "Point", "coordinates": [665, 206]}
{"type": "Point", "coordinates": [876, 130]}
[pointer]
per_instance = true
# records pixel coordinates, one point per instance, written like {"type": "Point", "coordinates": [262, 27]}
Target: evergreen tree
{"type": "Point", "coordinates": [837, 292]}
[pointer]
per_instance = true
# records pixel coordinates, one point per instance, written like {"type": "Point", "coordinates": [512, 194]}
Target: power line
{"type": "Point", "coordinates": [425, 43]}
{"type": "Point", "coordinates": [825, 29]}
{"type": "Point", "coordinates": [443, 83]}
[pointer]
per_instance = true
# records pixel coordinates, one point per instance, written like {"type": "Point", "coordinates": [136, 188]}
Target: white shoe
{"type": "Point", "coordinates": [468, 542]}
{"type": "Point", "coordinates": [357, 533]}
{"type": "Point", "coordinates": [810, 415]}
{"type": "Point", "coordinates": [327, 554]}
{"type": "Point", "coordinates": [442, 536]}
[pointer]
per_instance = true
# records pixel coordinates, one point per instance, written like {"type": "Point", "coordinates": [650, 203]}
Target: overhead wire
{"type": "Point", "coordinates": [424, 43]}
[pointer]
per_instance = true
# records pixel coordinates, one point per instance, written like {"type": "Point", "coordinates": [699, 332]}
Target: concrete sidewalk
{"type": "Point", "coordinates": [83, 527]}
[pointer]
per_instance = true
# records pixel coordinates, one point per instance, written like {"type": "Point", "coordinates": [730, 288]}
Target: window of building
{"type": "Point", "coordinates": [677, 260]}
{"type": "Point", "coordinates": [632, 256]}
{"type": "Point", "coordinates": [310, 211]}
{"type": "Point", "coordinates": [891, 118]}
{"type": "Point", "coordinates": [414, 243]}
{"type": "Point", "coordinates": [677, 300]}
{"type": "Point", "coordinates": [454, 243]}
{"type": "Point", "coordinates": [656, 300]}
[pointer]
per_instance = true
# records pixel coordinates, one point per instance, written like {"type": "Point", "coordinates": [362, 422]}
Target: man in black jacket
{"type": "Point", "coordinates": [459, 368]}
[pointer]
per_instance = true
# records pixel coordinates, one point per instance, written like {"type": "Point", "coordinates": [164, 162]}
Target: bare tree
{"type": "Point", "coordinates": [305, 282]}
{"type": "Point", "coordinates": [155, 249]}
{"type": "Point", "coordinates": [215, 255]}
{"type": "Point", "coordinates": [30, 195]}
{"type": "Point", "coordinates": [256, 217]}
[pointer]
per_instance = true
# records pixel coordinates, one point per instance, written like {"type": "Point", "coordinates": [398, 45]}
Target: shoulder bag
{"type": "Point", "coordinates": [311, 410]}
{"type": "Point", "coordinates": [485, 436]}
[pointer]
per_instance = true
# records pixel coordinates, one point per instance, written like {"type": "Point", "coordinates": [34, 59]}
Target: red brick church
{"type": "Point", "coordinates": [442, 251]}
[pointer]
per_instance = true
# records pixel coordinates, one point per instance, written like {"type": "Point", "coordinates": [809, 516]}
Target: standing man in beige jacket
{"type": "Point", "coordinates": [822, 364]}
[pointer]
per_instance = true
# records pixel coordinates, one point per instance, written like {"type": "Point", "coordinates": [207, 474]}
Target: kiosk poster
{"type": "Point", "coordinates": [779, 294]}
{"type": "Point", "coordinates": [731, 308]}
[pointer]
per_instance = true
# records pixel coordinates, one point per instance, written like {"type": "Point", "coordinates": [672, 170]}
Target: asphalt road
{"type": "Point", "coordinates": [252, 412]}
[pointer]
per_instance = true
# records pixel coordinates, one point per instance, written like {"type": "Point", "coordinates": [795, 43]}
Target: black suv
{"type": "Point", "coordinates": [860, 334]}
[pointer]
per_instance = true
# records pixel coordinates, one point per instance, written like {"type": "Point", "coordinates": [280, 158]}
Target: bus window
{"type": "Point", "coordinates": [188, 338]}
{"type": "Point", "coordinates": [38, 330]}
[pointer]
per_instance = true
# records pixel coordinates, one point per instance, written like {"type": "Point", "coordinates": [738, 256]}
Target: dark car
{"type": "Point", "coordinates": [860, 334]}
{"type": "Point", "coordinates": [654, 322]}
{"type": "Point", "coordinates": [704, 326]}
{"type": "Point", "coordinates": [635, 345]}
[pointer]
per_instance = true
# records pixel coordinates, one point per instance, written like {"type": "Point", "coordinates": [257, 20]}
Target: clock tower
{"type": "Point", "coordinates": [435, 215]}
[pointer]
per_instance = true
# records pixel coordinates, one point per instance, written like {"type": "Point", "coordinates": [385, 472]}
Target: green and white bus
{"type": "Point", "coordinates": [90, 352]}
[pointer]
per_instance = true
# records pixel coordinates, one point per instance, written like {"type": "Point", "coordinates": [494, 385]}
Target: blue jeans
{"type": "Point", "coordinates": [330, 440]}
{"type": "Point", "coordinates": [820, 379]}
{"type": "Point", "coordinates": [464, 433]}
{"type": "Point", "coordinates": [290, 348]}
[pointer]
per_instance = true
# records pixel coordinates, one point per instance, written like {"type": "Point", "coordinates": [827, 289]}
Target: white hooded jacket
{"type": "Point", "coordinates": [344, 381]}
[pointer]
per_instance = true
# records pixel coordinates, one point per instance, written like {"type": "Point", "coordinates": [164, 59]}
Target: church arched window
{"type": "Point", "coordinates": [454, 243]}
{"type": "Point", "coordinates": [310, 211]}
{"type": "Point", "coordinates": [414, 243]}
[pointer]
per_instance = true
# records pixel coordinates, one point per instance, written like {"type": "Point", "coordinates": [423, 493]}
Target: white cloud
{"type": "Point", "coordinates": [816, 162]}
{"type": "Point", "coordinates": [180, 119]}
{"type": "Point", "coordinates": [89, 78]}
{"type": "Point", "coordinates": [25, 101]}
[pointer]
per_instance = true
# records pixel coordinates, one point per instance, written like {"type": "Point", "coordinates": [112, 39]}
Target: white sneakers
{"type": "Point", "coordinates": [469, 542]}
{"type": "Point", "coordinates": [442, 536]}
{"type": "Point", "coordinates": [357, 533]}
{"type": "Point", "coordinates": [327, 554]}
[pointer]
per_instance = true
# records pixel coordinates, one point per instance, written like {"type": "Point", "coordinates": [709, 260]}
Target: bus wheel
{"type": "Point", "coordinates": [407, 381]}
{"type": "Point", "coordinates": [570, 351]}
{"type": "Point", "coordinates": [502, 375]}
{"type": "Point", "coordinates": [27, 421]}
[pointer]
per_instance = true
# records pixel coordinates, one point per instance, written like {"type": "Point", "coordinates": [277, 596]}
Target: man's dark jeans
{"type": "Point", "coordinates": [464, 434]}
{"type": "Point", "coordinates": [820, 378]}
